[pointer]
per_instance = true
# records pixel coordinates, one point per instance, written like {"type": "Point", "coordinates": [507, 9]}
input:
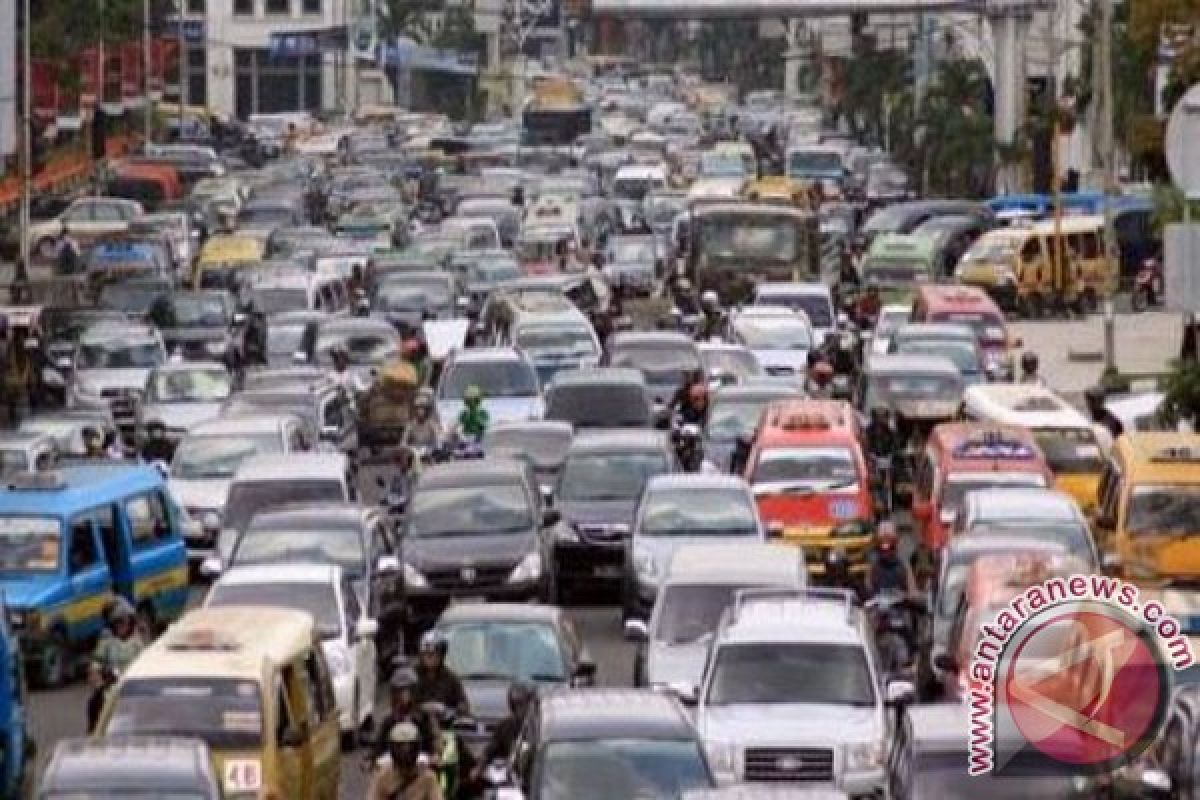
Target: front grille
{"type": "Point", "coordinates": [468, 578]}
{"type": "Point", "coordinates": [603, 534]}
{"type": "Point", "coordinates": [788, 764]}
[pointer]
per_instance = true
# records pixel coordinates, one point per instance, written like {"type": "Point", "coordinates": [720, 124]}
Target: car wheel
{"type": "Point", "coordinates": [55, 662]}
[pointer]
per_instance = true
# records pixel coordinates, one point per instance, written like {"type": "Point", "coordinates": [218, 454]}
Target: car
{"type": "Point", "coordinates": [62, 327]}
{"type": "Point", "coordinates": [110, 370]}
{"type": "Point", "coordinates": [728, 364]}
{"type": "Point", "coordinates": [368, 342]}
{"type": "Point", "coordinates": [596, 744]}
{"type": "Point", "coordinates": [506, 377]}
{"type": "Point", "coordinates": [406, 300]}
{"type": "Point", "coordinates": [120, 766]}
{"type": "Point", "coordinates": [919, 388]}
{"type": "Point", "coordinates": [632, 263]}
{"type": "Point", "coordinates": [65, 427]}
{"type": "Point", "coordinates": [779, 338]}
{"type": "Point", "coordinates": [556, 341]}
{"type": "Point", "coordinates": [601, 397]}
{"type": "Point", "coordinates": [359, 539]}
{"type": "Point", "coordinates": [678, 510]}
{"type": "Point", "coordinates": [347, 632]}
{"type": "Point", "coordinates": [604, 474]}
{"type": "Point", "coordinates": [324, 405]}
{"type": "Point", "coordinates": [290, 333]}
{"type": "Point", "coordinates": [698, 584]}
{"type": "Point", "coordinates": [133, 297]}
{"type": "Point", "coordinates": [814, 300]}
{"type": "Point", "coordinates": [954, 341]}
{"type": "Point", "coordinates": [208, 456]}
{"type": "Point", "coordinates": [664, 358]}
{"type": "Point", "coordinates": [199, 325]}
{"type": "Point", "coordinates": [183, 395]}
{"type": "Point", "coordinates": [485, 270]}
{"type": "Point", "coordinates": [26, 452]}
{"type": "Point", "coordinates": [734, 415]}
{"type": "Point", "coordinates": [476, 529]}
{"type": "Point", "coordinates": [542, 442]}
{"type": "Point", "coordinates": [1012, 511]}
{"type": "Point", "coordinates": [792, 692]}
{"type": "Point", "coordinates": [492, 645]}
{"type": "Point", "coordinates": [890, 319]}
{"type": "Point", "coordinates": [85, 218]}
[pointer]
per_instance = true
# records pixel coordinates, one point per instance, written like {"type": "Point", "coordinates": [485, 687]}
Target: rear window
{"type": "Point", "coordinates": [599, 406]}
{"type": "Point", "coordinates": [225, 714]}
{"type": "Point", "coordinates": [247, 498]}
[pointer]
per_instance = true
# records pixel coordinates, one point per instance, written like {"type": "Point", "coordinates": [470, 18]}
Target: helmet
{"type": "Point", "coordinates": [120, 609]}
{"type": "Point", "coordinates": [698, 393]}
{"type": "Point", "coordinates": [434, 642]}
{"type": "Point", "coordinates": [424, 398]}
{"type": "Point", "coordinates": [1029, 362]}
{"type": "Point", "coordinates": [410, 348]}
{"type": "Point", "coordinates": [473, 394]}
{"type": "Point", "coordinates": [403, 733]}
{"type": "Point", "coordinates": [886, 537]}
{"type": "Point", "coordinates": [91, 434]}
{"type": "Point", "coordinates": [403, 678]}
{"type": "Point", "coordinates": [709, 299]}
{"type": "Point", "coordinates": [822, 371]}
{"type": "Point", "coordinates": [520, 693]}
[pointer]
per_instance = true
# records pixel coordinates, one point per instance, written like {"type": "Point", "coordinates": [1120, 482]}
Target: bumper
{"type": "Point", "coordinates": [865, 783]}
{"type": "Point", "coordinates": [586, 563]}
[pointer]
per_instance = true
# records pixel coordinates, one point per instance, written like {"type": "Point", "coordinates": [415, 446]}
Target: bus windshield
{"type": "Point", "coordinates": [745, 236]}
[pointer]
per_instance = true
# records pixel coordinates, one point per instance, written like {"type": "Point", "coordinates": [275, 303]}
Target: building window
{"type": "Point", "coordinates": [278, 6]}
{"type": "Point", "coordinates": [267, 85]}
{"type": "Point", "coordinates": [195, 6]}
{"type": "Point", "coordinates": [312, 6]}
{"type": "Point", "coordinates": [244, 7]}
{"type": "Point", "coordinates": [197, 76]}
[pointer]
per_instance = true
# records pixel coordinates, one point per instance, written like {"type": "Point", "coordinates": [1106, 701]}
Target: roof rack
{"type": "Point", "coordinates": [744, 597]}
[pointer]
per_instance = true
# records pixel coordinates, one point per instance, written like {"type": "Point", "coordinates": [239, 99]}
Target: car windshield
{"type": "Point", "coordinates": [988, 328]}
{"type": "Point", "coordinates": [890, 321]}
{"type": "Point", "coordinates": [661, 211]}
{"type": "Point", "coordinates": [406, 297]}
{"type": "Point", "coordinates": [500, 378]}
{"type": "Point", "coordinates": [778, 333]}
{"type": "Point", "coordinates": [687, 614]}
{"type": "Point", "coordinates": [190, 386]}
{"type": "Point", "coordinates": [362, 348]}
{"type": "Point", "coordinates": [29, 544]}
{"type": "Point", "coordinates": [1070, 451]}
{"type": "Point", "coordinates": [821, 468]}
{"type": "Point", "coordinates": [955, 489]}
{"type": "Point", "coordinates": [1075, 538]}
{"type": "Point", "coordinates": [575, 341]}
{"type": "Point", "coordinates": [505, 651]}
{"type": "Point", "coordinates": [815, 306]}
{"type": "Point", "coordinates": [225, 714]}
{"type": "Point", "coordinates": [993, 248]}
{"type": "Point", "coordinates": [191, 311]}
{"type": "Point", "coordinates": [471, 511]}
{"type": "Point", "coordinates": [317, 599]}
{"type": "Point", "coordinates": [958, 568]}
{"type": "Point", "coordinates": [961, 353]}
{"type": "Point", "coordinates": [646, 769]}
{"type": "Point", "coordinates": [278, 300]}
{"type": "Point", "coordinates": [730, 419]}
{"type": "Point", "coordinates": [218, 457]}
{"type": "Point", "coordinates": [721, 165]}
{"type": "Point", "coordinates": [265, 217]}
{"type": "Point", "coordinates": [247, 498]}
{"type": "Point", "coordinates": [884, 388]}
{"type": "Point", "coordinates": [698, 512]}
{"type": "Point", "coordinates": [742, 236]}
{"type": "Point", "coordinates": [1164, 509]}
{"type": "Point", "coordinates": [734, 362]}
{"type": "Point", "coordinates": [118, 354]}
{"type": "Point", "coordinates": [660, 365]}
{"type": "Point", "coordinates": [806, 161]}
{"type": "Point", "coordinates": [824, 674]}
{"type": "Point", "coordinates": [589, 477]}
{"type": "Point", "coordinates": [342, 547]}
{"type": "Point", "coordinates": [132, 298]}
{"type": "Point", "coordinates": [612, 406]}
{"type": "Point", "coordinates": [543, 448]}
{"type": "Point", "coordinates": [489, 272]}
{"type": "Point", "coordinates": [635, 188]}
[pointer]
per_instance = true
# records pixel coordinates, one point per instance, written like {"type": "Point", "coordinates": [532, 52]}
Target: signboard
{"type": "Point", "coordinates": [297, 44]}
{"type": "Point", "coordinates": [364, 34]}
{"type": "Point", "coordinates": [407, 54]}
{"type": "Point", "coordinates": [194, 30]}
{"type": "Point", "coordinates": [1181, 279]}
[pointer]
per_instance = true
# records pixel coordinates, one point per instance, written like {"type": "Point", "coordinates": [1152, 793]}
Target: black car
{"type": "Point", "coordinates": [491, 645]}
{"type": "Point", "coordinates": [476, 530]}
{"type": "Point", "coordinates": [324, 403]}
{"type": "Point", "coordinates": [597, 397]}
{"type": "Point", "coordinates": [198, 325]}
{"type": "Point", "coordinates": [598, 744]}
{"type": "Point", "coordinates": [602, 478]}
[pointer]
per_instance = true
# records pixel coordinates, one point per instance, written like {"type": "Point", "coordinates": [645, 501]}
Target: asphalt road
{"type": "Point", "coordinates": [59, 714]}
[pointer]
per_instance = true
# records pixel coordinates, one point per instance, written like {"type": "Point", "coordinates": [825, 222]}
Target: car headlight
{"type": "Point", "coordinates": [722, 757]}
{"type": "Point", "coordinates": [215, 348]}
{"type": "Point", "coordinates": [414, 579]}
{"type": "Point", "coordinates": [338, 659]}
{"type": "Point", "coordinates": [530, 569]}
{"type": "Point", "coordinates": [864, 755]}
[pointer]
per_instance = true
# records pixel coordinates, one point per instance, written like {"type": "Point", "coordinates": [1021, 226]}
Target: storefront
{"type": "Point", "coordinates": [268, 82]}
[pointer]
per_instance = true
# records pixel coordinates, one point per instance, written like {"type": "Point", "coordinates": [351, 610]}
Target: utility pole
{"type": "Point", "coordinates": [148, 119]}
{"type": "Point", "coordinates": [1109, 162]}
{"type": "Point", "coordinates": [1059, 273]}
{"type": "Point", "coordinates": [26, 132]}
{"type": "Point", "coordinates": [181, 63]}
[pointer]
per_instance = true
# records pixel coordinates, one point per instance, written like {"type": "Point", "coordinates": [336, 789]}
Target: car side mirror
{"type": "Point", "coordinates": [636, 630]}
{"type": "Point", "coordinates": [366, 629]}
{"type": "Point", "coordinates": [387, 565]}
{"type": "Point", "coordinates": [945, 662]}
{"type": "Point", "coordinates": [550, 517]}
{"type": "Point", "coordinates": [900, 693]}
{"type": "Point", "coordinates": [211, 567]}
{"type": "Point", "coordinates": [585, 674]}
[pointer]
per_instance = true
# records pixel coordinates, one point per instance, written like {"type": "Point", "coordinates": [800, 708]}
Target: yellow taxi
{"type": "Point", "coordinates": [222, 257]}
{"type": "Point", "coordinates": [252, 683]}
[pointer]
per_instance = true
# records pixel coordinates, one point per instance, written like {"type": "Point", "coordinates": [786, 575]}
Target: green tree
{"type": "Point", "coordinates": [1181, 390]}
{"type": "Point", "coordinates": [408, 18]}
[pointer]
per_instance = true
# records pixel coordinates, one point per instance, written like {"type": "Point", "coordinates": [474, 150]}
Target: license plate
{"type": "Point", "coordinates": [607, 571]}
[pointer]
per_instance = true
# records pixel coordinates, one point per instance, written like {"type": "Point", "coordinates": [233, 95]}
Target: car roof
{"type": "Point", "coordinates": [592, 714]}
{"type": "Point", "coordinates": [759, 562]}
{"type": "Point", "coordinates": [756, 391]}
{"type": "Point", "coordinates": [292, 466]}
{"type": "Point", "coordinates": [500, 612]}
{"type": "Point", "coordinates": [164, 763]}
{"type": "Point", "coordinates": [554, 426]}
{"type": "Point", "coordinates": [911, 363]}
{"type": "Point", "coordinates": [657, 338]}
{"type": "Point", "coordinates": [472, 472]}
{"type": "Point", "coordinates": [695, 481]}
{"type": "Point", "coordinates": [1022, 503]}
{"type": "Point", "coordinates": [914, 330]}
{"type": "Point", "coordinates": [67, 489]}
{"type": "Point", "coordinates": [189, 366]}
{"type": "Point", "coordinates": [475, 355]}
{"type": "Point", "coordinates": [792, 288]}
{"type": "Point", "coordinates": [243, 423]}
{"type": "Point", "coordinates": [592, 376]}
{"type": "Point", "coordinates": [609, 440]}
{"type": "Point", "coordinates": [307, 516]}
{"type": "Point", "coordinates": [281, 573]}
{"type": "Point", "coordinates": [792, 619]}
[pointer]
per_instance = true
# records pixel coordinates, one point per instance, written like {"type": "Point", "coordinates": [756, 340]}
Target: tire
{"type": "Point", "coordinates": [55, 665]}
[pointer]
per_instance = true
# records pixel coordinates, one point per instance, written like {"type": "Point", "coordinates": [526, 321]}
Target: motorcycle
{"type": "Point", "coordinates": [894, 616]}
{"type": "Point", "coordinates": [1147, 286]}
{"type": "Point", "coordinates": [689, 445]}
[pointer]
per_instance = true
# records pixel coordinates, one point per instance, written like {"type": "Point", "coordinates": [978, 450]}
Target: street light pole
{"type": "Point", "coordinates": [148, 116]}
{"type": "Point", "coordinates": [1108, 159]}
{"type": "Point", "coordinates": [26, 134]}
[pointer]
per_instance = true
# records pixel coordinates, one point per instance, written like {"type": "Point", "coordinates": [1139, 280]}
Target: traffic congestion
{"type": "Point", "coordinates": [633, 447]}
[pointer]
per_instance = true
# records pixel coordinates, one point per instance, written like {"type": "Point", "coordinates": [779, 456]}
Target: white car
{"type": "Point", "coordinates": [347, 633]}
{"type": "Point", "coordinates": [792, 694]}
{"type": "Point", "coordinates": [813, 299]}
{"type": "Point", "coordinates": [780, 338]}
{"type": "Point", "coordinates": [85, 219]}
{"type": "Point", "coordinates": [891, 319]}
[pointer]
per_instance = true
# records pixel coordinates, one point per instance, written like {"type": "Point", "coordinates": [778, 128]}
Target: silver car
{"type": "Point", "coordinates": [184, 395]}
{"type": "Point", "coordinates": [111, 367]}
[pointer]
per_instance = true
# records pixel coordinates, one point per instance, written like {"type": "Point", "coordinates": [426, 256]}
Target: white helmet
{"type": "Point", "coordinates": [709, 299]}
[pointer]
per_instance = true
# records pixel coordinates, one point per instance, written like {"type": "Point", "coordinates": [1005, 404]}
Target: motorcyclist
{"type": "Point", "coordinates": [254, 341]}
{"type": "Point", "coordinates": [868, 307]}
{"type": "Point", "coordinates": [848, 280]}
{"type": "Point", "coordinates": [820, 380]}
{"type": "Point", "coordinates": [157, 447]}
{"type": "Point", "coordinates": [404, 777]}
{"type": "Point", "coordinates": [473, 419]}
{"type": "Point", "coordinates": [424, 431]}
{"type": "Point", "coordinates": [342, 375]}
{"type": "Point", "coordinates": [118, 646]}
{"type": "Point", "coordinates": [436, 681]}
{"type": "Point", "coordinates": [1029, 369]}
{"type": "Point", "coordinates": [714, 316]}
{"type": "Point", "coordinates": [402, 707]}
{"type": "Point", "coordinates": [888, 571]}
{"type": "Point", "coordinates": [500, 746]}
{"type": "Point", "coordinates": [416, 352]}
{"type": "Point", "coordinates": [882, 438]}
{"type": "Point", "coordinates": [843, 357]}
{"type": "Point", "coordinates": [683, 296]}
{"type": "Point", "coordinates": [693, 407]}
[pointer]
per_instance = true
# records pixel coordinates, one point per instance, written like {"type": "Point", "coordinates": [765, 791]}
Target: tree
{"type": "Point", "coordinates": [1181, 390]}
{"type": "Point", "coordinates": [407, 18]}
